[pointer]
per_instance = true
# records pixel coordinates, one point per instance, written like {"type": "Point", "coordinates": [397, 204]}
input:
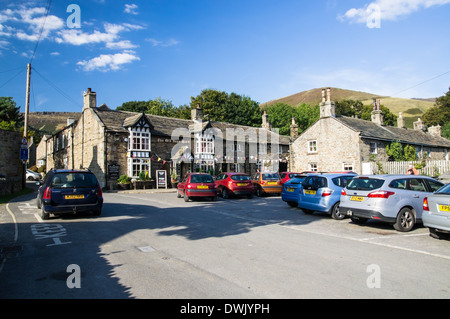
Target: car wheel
{"type": "Point", "coordinates": [225, 194]}
{"type": "Point", "coordinates": [335, 212]}
{"type": "Point", "coordinates": [405, 220]}
{"type": "Point", "coordinates": [259, 192]}
{"type": "Point", "coordinates": [44, 215]}
{"type": "Point", "coordinates": [30, 178]}
{"type": "Point", "coordinates": [178, 194]}
{"type": "Point", "coordinates": [214, 198]}
{"type": "Point", "coordinates": [38, 203]}
{"type": "Point", "coordinates": [186, 197]}
{"type": "Point", "coordinates": [434, 233]}
{"type": "Point", "coordinates": [97, 212]}
{"type": "Point", "coordinates": [307, 211]}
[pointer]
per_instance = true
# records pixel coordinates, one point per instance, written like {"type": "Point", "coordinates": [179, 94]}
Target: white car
{"type": "Point", "coordinates": [33, 176]}
{"type": "Point", "coordinates": [436, 213]}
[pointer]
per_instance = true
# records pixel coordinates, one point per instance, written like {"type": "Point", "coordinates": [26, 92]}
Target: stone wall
{"type": "Point", "coordinates": [336, 145]}
{"type": "Point", "coordinates": [11, 168]}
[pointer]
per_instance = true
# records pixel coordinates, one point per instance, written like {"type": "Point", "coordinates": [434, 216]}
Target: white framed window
{"type": "Point", "coordinates": [313, 167]}
{"type": "Point", "coordinates": [138, 165]}
{"type": "Point", "coordinates": [373, 148]}
{"type": "Point", "coordinates": [312, 147]}
{"type": "Point", "coordinates": [139, 139]}
{"type": "Point", "coordinates": [204, 145]}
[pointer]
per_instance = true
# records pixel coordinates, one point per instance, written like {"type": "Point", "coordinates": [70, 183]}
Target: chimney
{"type": "Point", "coordinates": [435, 131]}
{"type": "Point", "coordinates": [294, 130]}
{"type": "Point", "coordinates": [197, 114]}
{"type": "Point", "coordinates": [265, 122]}
{"type": "Point", "coordinates": [90, 99]}
{"type": "Point", "coordinates": [401, 121]}
{"type": "Point", "coordinates": [377, 114]}
{"type": "Point", "coordinates": [327, 107]}
{"type": "Point", "coordinates": [419, 125]}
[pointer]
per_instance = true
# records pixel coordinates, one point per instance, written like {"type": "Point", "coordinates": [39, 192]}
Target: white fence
{"type": "Point", "coordinates": [432, 168]}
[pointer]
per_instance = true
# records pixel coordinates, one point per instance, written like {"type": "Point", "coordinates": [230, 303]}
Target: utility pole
{"type": "Point", "coordinates": [25, 126]}
{"type": "Point", "coordinates": [27, 101]}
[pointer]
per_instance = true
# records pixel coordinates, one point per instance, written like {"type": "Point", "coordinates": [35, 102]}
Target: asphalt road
{"type": "Point", "coordinates": [154, 245]}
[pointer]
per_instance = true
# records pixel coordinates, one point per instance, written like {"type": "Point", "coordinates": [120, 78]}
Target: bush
{"type": "Point", "coordinates": [124, 179]}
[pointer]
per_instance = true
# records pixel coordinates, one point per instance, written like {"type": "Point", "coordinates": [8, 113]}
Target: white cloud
{"type": "Point", "coordinates": [124, 44]}
{"type": "Point", "coordinates": [131, 9]}
{"type": "Point", "coordinates": [168, 43]}
{"type": "Point", "coordinates": [388, 9]}
{"type": "Point", "coordinates": [109, 62]}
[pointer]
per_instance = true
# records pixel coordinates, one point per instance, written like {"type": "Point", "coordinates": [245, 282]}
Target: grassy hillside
{"type": "Point", "coordinates": [411, 108]}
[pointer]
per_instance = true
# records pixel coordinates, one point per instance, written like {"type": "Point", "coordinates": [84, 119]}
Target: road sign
{"type": "Point", "coordinates": [24, 141]}
{"type": "Point", "coordinates": [24, 154]}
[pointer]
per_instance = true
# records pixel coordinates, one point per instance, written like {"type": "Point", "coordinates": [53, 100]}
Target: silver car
{"type": "Point", "coordinates": [436, 212]}
{"type": "Point", "coordinates": [396, 199]}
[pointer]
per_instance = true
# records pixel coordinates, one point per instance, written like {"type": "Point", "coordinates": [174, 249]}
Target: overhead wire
{"type": "Point", "coordinates": [49, 3]}
{"type": "Point", "coordinates": [412, 87]}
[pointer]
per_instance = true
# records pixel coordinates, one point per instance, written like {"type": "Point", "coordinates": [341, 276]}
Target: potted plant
{"type": "Point", "coordinates": [174, 179]}
{"type": "Point", "coordinates": [123, 182]}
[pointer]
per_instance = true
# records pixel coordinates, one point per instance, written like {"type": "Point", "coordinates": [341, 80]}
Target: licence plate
{"type": "Point", "coordinates": [357, 198]}
{"type": "Point", "coordinates": [74, 197]}
{"type": "Point", "coordinates": [444, 208]}
{"type": "Point", "coordinates": [272, 183]}
{"type": "Point", "coordinates": [241, 184]}
{"type": "Point", "coordinates": [309, 192]}
{"type": "Point", "coordinates": [202, 187]}
{"type": "Point", "coordinates": [290, 190]}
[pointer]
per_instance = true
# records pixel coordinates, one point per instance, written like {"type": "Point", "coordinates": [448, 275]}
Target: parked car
{"type": "Point", "coordinates": [267, 183]}
{"type": "Point", "coordinates": [396, 199]}
{"type": "Point", "coordinates": [291, 191]}
{"type": "Point", "coordinates": [197, 185]}
{"type": "Point", "coordinates": [33, 176]}
{"type": "Point", "coordinates": [69, 191]}
{"type": "Point", "coordinates": [237, 184]}
{"type": "Point", "coordinates": [436, 212]}
{"type": "Point", "coordinates": [285, 176]}
{"type": "Point", "coordinates": [322, 193]}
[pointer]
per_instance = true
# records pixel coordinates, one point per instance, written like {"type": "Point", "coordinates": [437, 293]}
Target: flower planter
{"type": "Point", "coordinates": [123, 186]}
{"type": "Point", "coordinates": [143, 184]}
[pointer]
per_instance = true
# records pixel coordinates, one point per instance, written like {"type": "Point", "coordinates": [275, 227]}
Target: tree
{"type": "Point", "coordinates": [157, 106]}
{"type": "Point", "coordinates": [395, 150]}
{"type": "Point", "coordinates": [389, 119]}
{"type": "Point", "coordinates": [349, 108]}
{"type": "Point", "coordinates": [439, 114]}
{"type": "Point", "coordinates": [10, 115]}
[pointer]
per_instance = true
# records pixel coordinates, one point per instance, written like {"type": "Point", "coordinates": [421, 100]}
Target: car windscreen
{"type": "Point", "coordinates": [74, 180]}
{"type": "Point", "coordinates": [270, 176]}
{"type": "Point", "coordinates": [315, 182]}
{"type": "Point", "coordinates": [240, 177]}
{"type": "Point", "coordinates": [202, 179]}
{"type": "Point", "coordinates": [296, 181]}
{"type": "Point", "coordinates": [444, 190]}
{"type": "Point", "coordinates": [365, 184]}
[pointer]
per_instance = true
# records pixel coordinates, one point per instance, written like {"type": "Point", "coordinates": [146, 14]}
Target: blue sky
{"type": "Point", "coordinates": [173, 49]}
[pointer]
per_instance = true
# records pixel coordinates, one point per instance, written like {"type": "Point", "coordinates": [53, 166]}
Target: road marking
{"type": "Point", "coordinates": [16, 228]}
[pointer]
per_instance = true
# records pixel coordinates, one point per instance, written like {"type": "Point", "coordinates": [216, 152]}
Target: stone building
{"type": "Point", "coordinates": [339, 143]}
{"type": "Point", "coordinates": [112, 143]}
{"type": "Point", "coordinates": [11, 167]}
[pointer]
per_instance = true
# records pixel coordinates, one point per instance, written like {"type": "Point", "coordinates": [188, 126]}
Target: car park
{"type": "Point", "coordinates": [69, 191]}
{"type": "Point", "coordinates": [33, 176]}
{"type": "Point", "coordinates": [436, 213]}
{"type": "Point", "coordinates": [267, 183]}
{"type": "Point", "coordinates": [322, 193]}
{"type": "Point", "coordinates": [291, 191]}
{"type": "Point", "coordinates": [197, 185]}
{"type": "Point", "coordinates": [396, 199]}
{"type": "Point", "coordinates": [234, 184]}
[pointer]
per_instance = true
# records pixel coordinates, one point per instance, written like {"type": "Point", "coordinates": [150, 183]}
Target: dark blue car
{"type": "Point", "coordinates": [69, 191]}
{"type": "Point", "coordinates": [291, 191]}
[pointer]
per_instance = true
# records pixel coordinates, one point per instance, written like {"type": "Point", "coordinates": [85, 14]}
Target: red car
{"type": "Point", "coordinates": [288, 175]}
{"type": "Point", "coordinates": [238, 184]}
{"type": "Point", "coordinates": [197, 185]}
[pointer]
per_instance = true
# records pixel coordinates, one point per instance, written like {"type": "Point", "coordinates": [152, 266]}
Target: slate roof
{"type": "Point", "coordinates": [117, 121]}
{"type": "Point", "coordinates": [368, 129]}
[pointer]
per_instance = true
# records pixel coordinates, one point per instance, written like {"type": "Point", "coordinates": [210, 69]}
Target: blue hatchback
{"type": "Point", "coordinates": [291, 191]}
{"type": "Point", "coordinates": [322, 193]}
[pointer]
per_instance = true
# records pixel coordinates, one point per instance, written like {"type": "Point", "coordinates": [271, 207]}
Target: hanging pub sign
{"type": "Point", "coordinates": [161, 179]}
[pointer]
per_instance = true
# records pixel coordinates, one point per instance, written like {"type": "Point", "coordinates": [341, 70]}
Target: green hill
{"type": "Point", "coordinates": [412, 109]}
